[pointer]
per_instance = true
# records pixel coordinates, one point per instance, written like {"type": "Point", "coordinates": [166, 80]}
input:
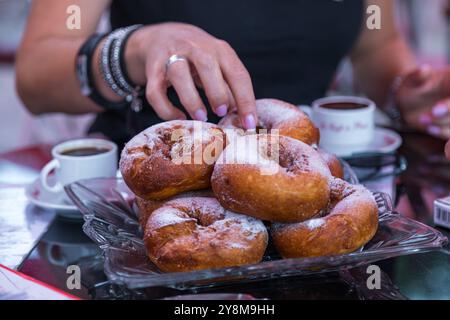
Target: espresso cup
{"type": "Point", "coordinates": [80, 159]}
{"type": "Point", "coordinates": [344, 121]}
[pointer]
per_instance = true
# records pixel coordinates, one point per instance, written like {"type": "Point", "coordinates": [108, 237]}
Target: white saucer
{"type": "Point", "coordinates": [384, 141]}
{"type": "Point", "coordinates": [58, 202]}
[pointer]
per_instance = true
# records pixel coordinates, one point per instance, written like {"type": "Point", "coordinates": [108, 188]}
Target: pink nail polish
{"type": "Point", "coordinates": [440, 110]}
{"type": "Point", "coordinates": [249, 122]}
{"type": "Point", "coordinates": [222, 110]}
{"type": "Point", "coordinates": [200, 115]}
{"type": "Point", "coordinates": [434, 130]}
{"type": "Point", "coordinates": [425, 119]}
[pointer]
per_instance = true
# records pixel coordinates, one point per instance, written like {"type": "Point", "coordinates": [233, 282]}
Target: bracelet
{"type": "Point", "coordinates": [83, 68]}
{"type": "Point", "coordinates": [391, 109]}
{"type": "Point", "coordinates": [118, 68]}
{"type": "Point", "coordinates": [112, 67]}
{"type": "Point", "coordinates": [122, 58]}
{"type": "Point", "coordinates": [105, 63]}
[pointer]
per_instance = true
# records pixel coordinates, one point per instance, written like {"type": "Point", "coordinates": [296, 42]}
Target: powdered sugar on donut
{"type": "Point", "coordinates": [272, 111]}
{"type": "Point", "coordinates": [313, 160]}
{"type": "Point", "coordinates": [171, 157]}
{"type": "Point", "coordinates": [185, 139]}
{"type": "Point", "coordinates": [250, 224]}
{"type": "Point", "coordinates": [345, 197]}
{"type": "Point", "coordinates": [201, 210]}
{"type": "Point", "coordinates": [250, 150]}
{"type": "Point", "coordinates": [136, 148]}
{"type": "Point", "coordinates": [169, 217]}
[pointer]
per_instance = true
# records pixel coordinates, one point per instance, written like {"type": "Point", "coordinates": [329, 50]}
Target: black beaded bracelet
{"type": "Point", "coordinates": [85, 74]}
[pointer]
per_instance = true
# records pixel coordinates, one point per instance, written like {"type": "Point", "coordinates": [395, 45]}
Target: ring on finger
{"type": "Point", "coordinates": [173, 59]}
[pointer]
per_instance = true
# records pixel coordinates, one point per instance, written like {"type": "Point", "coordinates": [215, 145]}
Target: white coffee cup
{"type": "Point", "coordinates": [72, 161]}
{"type": "Point", "coordinates": [344, 121]}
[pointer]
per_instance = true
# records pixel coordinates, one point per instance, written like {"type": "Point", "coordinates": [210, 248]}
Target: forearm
{"type": "Point", "coordinates": [45, 65]}
{"type": "Point", "coordinates": [375, 71]}
{"type": "Point", "coordinates": [46, 78]}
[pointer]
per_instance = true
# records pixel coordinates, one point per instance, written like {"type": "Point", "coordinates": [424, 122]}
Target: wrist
{"type": "Point", "coordinates": [99, 82]}
{"type": "Point", "coordinates": [393, 107]}
{"type": "Point", "coordinates": [134, 59]}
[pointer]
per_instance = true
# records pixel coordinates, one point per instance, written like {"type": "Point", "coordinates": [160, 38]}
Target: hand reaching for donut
{"type": "Point", "coordinates": [200, 61]}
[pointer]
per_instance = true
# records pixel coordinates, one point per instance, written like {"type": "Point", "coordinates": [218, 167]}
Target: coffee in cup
{"type": "Point", "coordinates": [344, 121]}
{"type": "Point", "coordinates": [80, 159]}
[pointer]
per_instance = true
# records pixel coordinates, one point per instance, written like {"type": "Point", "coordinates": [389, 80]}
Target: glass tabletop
{"type": "Point", "coordinates": [420, 276]}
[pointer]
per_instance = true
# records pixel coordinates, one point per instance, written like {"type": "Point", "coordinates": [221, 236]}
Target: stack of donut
{"type": "Point", "coordinates": [203, 194]}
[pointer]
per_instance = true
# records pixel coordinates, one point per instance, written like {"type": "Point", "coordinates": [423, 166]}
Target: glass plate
{"type": "Point", "coordinates": [112, 222]}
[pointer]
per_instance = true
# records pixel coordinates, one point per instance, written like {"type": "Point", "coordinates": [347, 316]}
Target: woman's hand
{"type": "Point", "coordinates": [211, 63]}
{"type": "Point", "coordinates": [424, 99]}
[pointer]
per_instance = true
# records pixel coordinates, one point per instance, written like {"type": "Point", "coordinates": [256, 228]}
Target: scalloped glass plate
{"type": "Point", "coordinates": [112, 222]}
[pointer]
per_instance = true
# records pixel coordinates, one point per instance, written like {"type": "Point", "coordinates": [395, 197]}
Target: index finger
{"type": "Point", "coordinates": [239, 81]}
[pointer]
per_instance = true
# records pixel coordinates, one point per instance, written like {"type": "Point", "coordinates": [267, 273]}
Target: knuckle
{"type": "Point", "coordinates": [195, 50]}
{"type": "Point", "coordinates": [239, 73]}
{"type": "Point", "coordinates": [192, 28]}
{"type": "Point", "coordinates": [224, 45]}
{"type": "Point", "coordinates": [206, 60]}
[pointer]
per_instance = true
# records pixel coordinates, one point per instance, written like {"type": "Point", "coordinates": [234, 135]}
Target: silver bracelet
{"type": "Point", "coordinates": [116, 68]}
{"type": "Point", "coordinates": [111, 68]}
{"type": "Point", "coordinates": [105, 64]}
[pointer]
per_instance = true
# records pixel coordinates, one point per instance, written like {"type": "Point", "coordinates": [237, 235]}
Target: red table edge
{"type": "Point", "coordinates": [26, 277]}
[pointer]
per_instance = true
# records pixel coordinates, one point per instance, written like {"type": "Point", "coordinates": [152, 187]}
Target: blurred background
{"type": "Point", "coordinates": [426, 24]}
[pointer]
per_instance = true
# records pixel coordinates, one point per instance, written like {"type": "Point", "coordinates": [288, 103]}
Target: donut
{"type": "Point", "coordinates": [333, 163]}
{"type": "Point", "coordinates": [170, 158]}
{"type": "Point", "coordinates": [146, 207]}
{"type": "Point", "coordinates": [351, 222]}
{"type": "Point", "coordinates": [269, 177]}
{"type": "Point", "coordinates": [273, 114]}
{"type": "Point", "coordinates": [197, 233]}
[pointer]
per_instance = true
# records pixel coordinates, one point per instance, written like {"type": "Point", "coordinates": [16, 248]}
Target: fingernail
{"type": "Point", "coordinates": [425, 119]}
{"type": "Point", "coordinates": [440, 110]}
{"type": "Point", "coordinates": [249, 122]}
{"type": "Point", "coordinates": [434, 130]}
{"type": "Point", "coordinates": [200, 115]}
{"type": "Point", "coordinates": [222, 110]}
